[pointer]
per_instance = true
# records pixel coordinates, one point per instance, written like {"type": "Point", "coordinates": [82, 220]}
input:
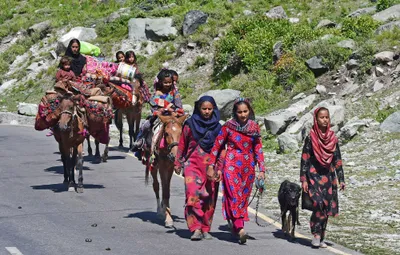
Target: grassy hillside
{"type": "Point", "coordinates": [243, 55]}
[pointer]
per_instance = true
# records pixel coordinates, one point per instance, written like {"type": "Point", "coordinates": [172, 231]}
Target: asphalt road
{"type": "Point", "coordinates": [116, 212]}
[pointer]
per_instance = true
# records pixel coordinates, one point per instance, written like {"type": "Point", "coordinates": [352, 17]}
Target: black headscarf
{"type": "Point", "coordinates": [202, 129]}
{"type": "Point", "coordinates": [78, 60]}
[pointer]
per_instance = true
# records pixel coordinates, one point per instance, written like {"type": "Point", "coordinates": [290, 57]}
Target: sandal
{"type": "Point", "coordinates": [197, 236]}
{"type": "Point", "coordinates": [242, 236]}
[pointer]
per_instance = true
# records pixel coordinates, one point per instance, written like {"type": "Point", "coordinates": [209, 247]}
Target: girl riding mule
{"type": "Point", "coordinates": [166, 147]}
{"type": "Point", "coordinates": [69, 132]}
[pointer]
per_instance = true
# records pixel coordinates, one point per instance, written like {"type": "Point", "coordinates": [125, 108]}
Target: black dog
{"type": "Point", "coordinates": [288, 196]}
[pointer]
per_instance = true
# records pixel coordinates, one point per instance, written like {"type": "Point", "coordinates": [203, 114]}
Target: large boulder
{"type": "Point", "coordinates": [276, 13]}
{"type": "Point", "coordinates": [80, 33]}
{"type": "Point", "coordinates": [362, 11]}
{"type": "Point", "coordinates": [41, 28]}
{"type": "Point", "coordinates": [326, 23]}
{"type": "Point", "coordinates": [7, 85]}
{"type": "Point", "coordinates": [347, 44]}
{"type": "Point", "coordinates": [392, 12]}
{"type": "Point", "coordinates": [392, 123]}
{"type": "Point", "coordinates": [160, 29]}
{"type": "Point", "coordinates": [337, 113]}
{"type": "Point", "coordinates": [27, 109]}
{"type": "Point", "coordinates": [277, 121]}
{"type": "Point", "coordinates": [384, 56]}
{"type": "Point", "coordinates": [387, 27]}
{"type": "Point", "coordinates": [193, 19]}
{"type": "Point", "coordinates": [151, 29]}
{"type": "Point", "coordinates": [316, 66]}
{"type": "Point", "coordinates": [350, 129]}
{"type": "Point", "coordinates": [224, 99]}
{"type": "Point", "coordinates": [287, 143]}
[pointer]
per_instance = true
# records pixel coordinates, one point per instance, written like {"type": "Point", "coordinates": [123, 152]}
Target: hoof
{"type": "Point", "coordinates": [104, 158]}
{"type": "Point", "coordinates": [97, 160]}
{"type": "Point", "coordinates": [80, 189]}
{"type": "Point", "coordinates": [169, 224]}
{"type": "Point", "coordinates": [70, 188]}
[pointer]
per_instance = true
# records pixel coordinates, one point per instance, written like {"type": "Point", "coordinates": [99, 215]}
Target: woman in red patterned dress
{"type": "Point", "coordinates": [241, 135]}
{"type": "Point", "coordinates": [194, 147]}
{"type": "Point", "coordinates": [321, 167]}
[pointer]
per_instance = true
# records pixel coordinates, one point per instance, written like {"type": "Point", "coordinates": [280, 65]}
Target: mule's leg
{"type": "Point", "coordinates": [79, 165]}
{"type": "Point", "coordinates": [97, 158]}
{"type": "Point", "coordinates": [119, 125]}
{"type": "Point", "coordinates": [156, 188]}
{"type": "Point", "coordinates": [64, 161]}
{"type": "Point", "coordinates": [89, 148]}
{"type": "Point", "coordinates": [166, 174]}
{"type": "Point", "coordinates": [136, 118]}
{"type": "Point", "coordinates": [71, 167]}
{"type": "Point", "coordinates": [130, 119]}
{"type": "Point", "coordinates": [105, 154]}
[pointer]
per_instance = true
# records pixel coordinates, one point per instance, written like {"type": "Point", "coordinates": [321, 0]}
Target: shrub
{"type": "Point", "coordinates": [361, 26]}
{"type": "Point", "coordinates": [251, 39]}
{"type": "Point", "coordinates": [383, 4]}
{"type": "Point", "coordinates": [331, 54]}
{"type": "Point", "coordinates": [292, 74]}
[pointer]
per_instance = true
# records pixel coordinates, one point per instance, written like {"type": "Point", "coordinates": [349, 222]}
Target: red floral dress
{"type": "Point", "coordinates": [322, 182]}
{"type": "Point", "coordinates": [242, 154]}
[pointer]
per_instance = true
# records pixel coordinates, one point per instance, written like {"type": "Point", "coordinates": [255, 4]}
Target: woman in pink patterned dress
{"type": "Point", "coordinates": [241, 135]}
{"type": "Point", "coordinates": [194, 148]}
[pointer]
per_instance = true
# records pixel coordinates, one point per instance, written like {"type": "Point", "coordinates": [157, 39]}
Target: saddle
{"type": "Point", "coordinates": [121, 98]}
{"type": "Point", "coordinates": [48, 112]}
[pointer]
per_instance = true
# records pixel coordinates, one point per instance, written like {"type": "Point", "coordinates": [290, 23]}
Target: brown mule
{"type": "Point", "coordinates": [69, 133]}
{"type": "Point", "coordinates": [164, 163]}
{"type": "Point", "coordinates": [99, 117]}
{"type": "Point", "coordinates": [133, 115]}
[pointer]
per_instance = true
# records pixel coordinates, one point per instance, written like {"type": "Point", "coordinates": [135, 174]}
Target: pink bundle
{"type": "Point", "coordinates": [126, 86]}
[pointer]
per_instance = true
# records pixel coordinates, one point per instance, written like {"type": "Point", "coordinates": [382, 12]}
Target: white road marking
{"type": "Point", "coordinates": [13, 251]}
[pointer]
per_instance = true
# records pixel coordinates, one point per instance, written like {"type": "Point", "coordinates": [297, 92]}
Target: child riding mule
{"type": "Point", "coordinates": [165, 150]}
{"type": "Point", "coordinates": [69, 132]}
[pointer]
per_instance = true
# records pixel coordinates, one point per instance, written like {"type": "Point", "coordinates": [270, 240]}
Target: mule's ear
{"type": "Point", "coordinates": [182, 118]}
{"type": "Point", "coordinates": [163, 118]}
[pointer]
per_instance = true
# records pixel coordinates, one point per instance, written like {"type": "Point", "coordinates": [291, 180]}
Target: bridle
{"type": "Point", "coordinates": [169, 155]}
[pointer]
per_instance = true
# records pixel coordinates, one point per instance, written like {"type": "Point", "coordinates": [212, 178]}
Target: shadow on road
{"type": "Point", "coordinates": [61, 187]}
{"type": "Point", "coordinates": [60, 169]}
{"type": "Point", "coordinates": [303, 241]}
{"type": "Point", "coordinates": [152, 217]}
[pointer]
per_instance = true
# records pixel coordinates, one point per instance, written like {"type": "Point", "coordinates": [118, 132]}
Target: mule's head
{"type": "Point", "coordinates": [67, 113]}
{"type": "Point", "coordinates": [136, 84]}
{"type": "Point", "coordinates": [172, 133]}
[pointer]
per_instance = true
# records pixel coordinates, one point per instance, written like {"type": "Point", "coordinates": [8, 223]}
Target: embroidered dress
{"type": "Point", "coordinates": [201, 194]}
{"type": "Point", "coordinates": [242, 155]}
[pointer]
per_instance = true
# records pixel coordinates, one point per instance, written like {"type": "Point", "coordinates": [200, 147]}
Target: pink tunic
{"type": "Point", "coordinates": [201, 194]}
